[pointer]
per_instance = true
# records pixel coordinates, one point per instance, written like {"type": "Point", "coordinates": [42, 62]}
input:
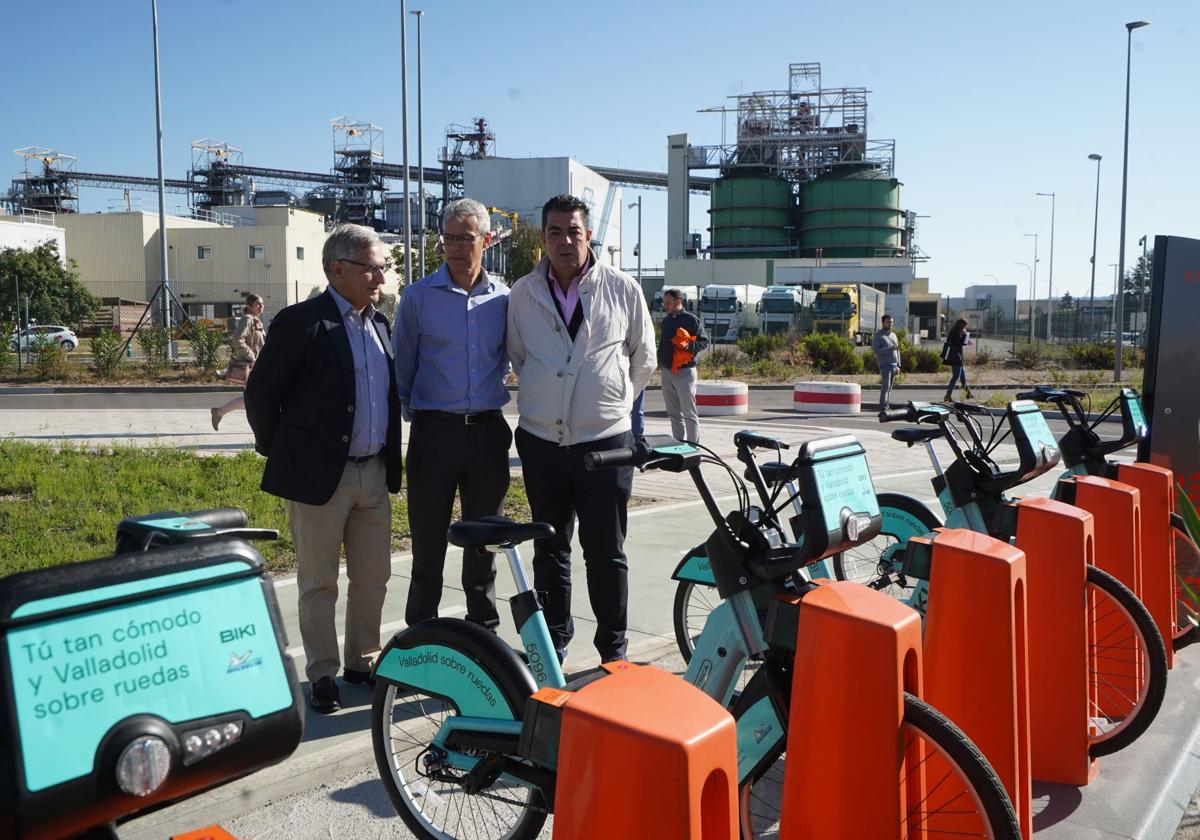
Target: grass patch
{"type": "Point", "coordinates": [62, 505]}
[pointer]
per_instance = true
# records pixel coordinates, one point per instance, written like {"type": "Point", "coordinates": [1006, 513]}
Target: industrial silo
{"type": "Point", "coordinates": [853, 213]}
{"type": "Point", "coordinates": [752, 216]}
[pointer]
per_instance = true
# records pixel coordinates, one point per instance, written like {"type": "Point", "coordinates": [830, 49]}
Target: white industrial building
{"type": "Point", "coordinates": [523, 185]}
{"type": "Point", "coordinates": [30, 229]}
{"type": "Point", "coordinates": [984, 300]}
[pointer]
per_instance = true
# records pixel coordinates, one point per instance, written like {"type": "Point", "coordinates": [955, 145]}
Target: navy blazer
{"type": "Point", "coordinates": [300, 402]}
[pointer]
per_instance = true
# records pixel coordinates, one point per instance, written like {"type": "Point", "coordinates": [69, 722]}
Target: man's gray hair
{"type": "Point", "coordinates": [345, 241]}
{"type": "Point", "coordinates": [468, 208]}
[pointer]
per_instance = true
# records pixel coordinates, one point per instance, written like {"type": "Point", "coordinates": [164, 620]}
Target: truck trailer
{"type": "Point", "coordinates": [730, 312]}
{"type": "Point", "coordinates": [786, 309]}
{"type": "Point", "coordinates": [852, 310]}
{"type": "Point", "coordinates": [691, 301]}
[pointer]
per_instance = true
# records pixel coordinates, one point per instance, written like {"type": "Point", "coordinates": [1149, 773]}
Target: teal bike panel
{"type": "Point", "coordinates": [695, 569]}
{"type": "Point", "coordinates": [540, 653]}
{"type": "Point", "coordinates": [446, 672]}
{"type": "Point", "coordinates": [758, 730]}
{"type": "Point", "coordinates": [844, 483]}
{"type": "Point", "coordinates": [194, 654]}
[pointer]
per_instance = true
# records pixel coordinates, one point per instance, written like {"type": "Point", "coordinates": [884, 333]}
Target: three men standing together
{"type": "Point", "coordinates": [326, 398]}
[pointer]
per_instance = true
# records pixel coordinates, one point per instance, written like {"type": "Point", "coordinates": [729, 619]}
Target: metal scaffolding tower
{"type": "Point", "coordinates": [463, 142]}
{"type": "Point", "coordinates": [799, 133]}
{"type": "Point", "coordinates": [214, 176]}
{"type": "Point", "coordinates": [46, 183]}
{"type": "Point", "coordinates": [357, 157]}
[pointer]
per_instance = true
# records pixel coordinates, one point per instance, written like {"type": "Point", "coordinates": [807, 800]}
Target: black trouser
{"type": "Point", "coordinates": [559, 489]}
{"type": "Point", "coordinates": [445, 455]}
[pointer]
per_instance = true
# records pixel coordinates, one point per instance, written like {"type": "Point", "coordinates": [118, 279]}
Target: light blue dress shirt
{"type": "Point", "coordinates": [370, 378]}
{"type": "Point", "coordinates": [449, 345]}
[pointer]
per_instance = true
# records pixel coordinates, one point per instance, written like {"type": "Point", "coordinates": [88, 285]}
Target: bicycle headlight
{"type": "Point", "coordinates": [143, 766]}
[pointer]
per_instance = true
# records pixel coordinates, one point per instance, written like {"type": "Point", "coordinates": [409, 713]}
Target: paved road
{"type": "Point", "coordinates": [330, 787]}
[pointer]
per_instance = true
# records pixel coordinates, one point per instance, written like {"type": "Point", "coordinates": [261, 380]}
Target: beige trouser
{"type": "Point", "coordinates": [359, 516]}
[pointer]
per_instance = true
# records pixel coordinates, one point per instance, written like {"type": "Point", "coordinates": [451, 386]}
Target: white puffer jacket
{"type": "Point", "coordinates": [574, 392]}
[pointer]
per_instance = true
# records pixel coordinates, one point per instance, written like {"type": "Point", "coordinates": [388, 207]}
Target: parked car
{"type": "Point", "coordinates": [65, 337]}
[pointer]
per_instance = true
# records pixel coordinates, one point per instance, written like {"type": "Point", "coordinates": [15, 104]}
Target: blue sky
{"type": "Point", "coordinates": [988, 103]}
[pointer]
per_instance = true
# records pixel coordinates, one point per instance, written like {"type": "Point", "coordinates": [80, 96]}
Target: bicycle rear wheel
{"type": "Point", "coordinates": [1187, 583]}
{"type": "Point", "coordinates": [962, 795]}
{"type": "Point", "coordinates": [1127, 665]}
{"type": "Point", "coordinates": [427, 792]}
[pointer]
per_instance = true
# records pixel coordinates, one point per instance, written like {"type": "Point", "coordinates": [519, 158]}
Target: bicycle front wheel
{"type": "Point", "coordinates": [1127, 665]}
{"type": "Point", "coordinates": [961, 796]}
{"type": "Point", "coordinates": [427, 792]}
{"type": "Point", "coordinates": [1187, 582]}
{"type": "Point", "coordinates": [693, 603]}
{"type": "Point", "coordinates": [876, 563]}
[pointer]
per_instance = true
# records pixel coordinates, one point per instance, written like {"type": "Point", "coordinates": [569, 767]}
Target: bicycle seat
{"type": "Point", "coordinates": [777, 472]}
{"type": "Point", "coordinates": [913, 434]}
{"type": "Point", "coordinates": [496, 530]}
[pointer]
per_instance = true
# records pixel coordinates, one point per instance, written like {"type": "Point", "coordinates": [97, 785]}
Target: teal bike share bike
{"type": "Point", "coordinates": [972, 493]}
{"type": "Point", "coordinates": [447, 718]}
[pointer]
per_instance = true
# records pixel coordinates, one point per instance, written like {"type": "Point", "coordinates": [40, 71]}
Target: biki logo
{"type": "Point", "coordinates": [232, 634]}
{"type": "Point", "coordinates": [242, 661]}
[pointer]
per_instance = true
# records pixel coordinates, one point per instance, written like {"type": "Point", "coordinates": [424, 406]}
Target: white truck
{"type": "Point", "coordinates": [691, 302]}
{"type": "Point", "coordinates": [730, 312]}
{"type": "Point", "coordinates": [786, 309]}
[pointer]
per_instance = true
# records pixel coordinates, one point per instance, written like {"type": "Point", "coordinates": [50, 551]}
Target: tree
{"type": "Point", "coordinates": [1067, 304]}
{"type": "Point", "coordinates": [1137, 287]}
{"type": "Point", "coordinates": [433, 257]}
{"type": "Point", "coordinates": [525, 250]}
{"type": "Point", "coordinates": [55, 294]}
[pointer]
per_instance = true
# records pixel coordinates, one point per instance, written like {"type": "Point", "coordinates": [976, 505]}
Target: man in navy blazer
{"type": "Point", "coordinates": [322, 402]}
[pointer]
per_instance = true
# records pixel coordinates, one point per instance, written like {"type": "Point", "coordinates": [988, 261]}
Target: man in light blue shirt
{"type": "Point", "coordinates": [450, 371]}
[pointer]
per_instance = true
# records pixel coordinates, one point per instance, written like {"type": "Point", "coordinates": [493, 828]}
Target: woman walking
{"type": "Point", "coordinates": [952, 354]}
{"type": "Point", "coordinates": [247, 337]}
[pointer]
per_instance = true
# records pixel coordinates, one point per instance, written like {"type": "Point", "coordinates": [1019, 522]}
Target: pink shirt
{"type": "Point", "coordinates": [569, 299]}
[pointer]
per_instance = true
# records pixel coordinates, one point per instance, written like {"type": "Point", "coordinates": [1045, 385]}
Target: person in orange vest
{"type": "Point", "coordinates": [683, 338]}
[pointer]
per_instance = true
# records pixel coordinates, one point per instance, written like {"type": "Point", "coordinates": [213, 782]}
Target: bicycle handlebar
{"type": "Point", "coordinates": [754, 440]}
{"type": "Point", "coordinates": [627, 456]}
{"type": "Point", "coordinates": [229, 517]}
{"type": "Point", "coordinates": [906, 413]}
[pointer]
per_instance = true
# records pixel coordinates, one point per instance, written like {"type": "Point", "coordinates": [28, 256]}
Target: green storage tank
{"type": "Point", "coordinates": [852, 214]}
{"type": "Point", "coordinates": [752, 216]}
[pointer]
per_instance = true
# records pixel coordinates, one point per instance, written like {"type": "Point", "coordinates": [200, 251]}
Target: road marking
{"type": "Point", "coordinates": [297, 652]}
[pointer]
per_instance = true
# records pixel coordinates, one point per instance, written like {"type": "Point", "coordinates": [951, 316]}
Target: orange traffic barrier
{"type": "Point", "coordinates": [857, 651]}
{"type": "Point", "coordinates": [643, 748]}
{"type": "Point", "coordinates": [1116, 507]}
{"type": "Point", "coordinates": [1058, 540]}
{"type": "Point", "coordinates": [1157, 487]}
{"type": "Point", "coordinates": [976, 658]}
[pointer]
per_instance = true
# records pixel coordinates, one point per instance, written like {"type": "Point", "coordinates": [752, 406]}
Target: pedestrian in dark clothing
{"type": "Point", "coordinates": [679, 379]}
{"type": "Point", "coordinates": [952, 354]}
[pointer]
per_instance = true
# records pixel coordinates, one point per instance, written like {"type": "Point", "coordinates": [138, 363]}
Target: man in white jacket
{"type": "Point", "coordinates": [581, 340]}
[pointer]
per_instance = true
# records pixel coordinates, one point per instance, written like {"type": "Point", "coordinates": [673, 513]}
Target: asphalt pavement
{"type": "Point", "coordinates": [330, 787]}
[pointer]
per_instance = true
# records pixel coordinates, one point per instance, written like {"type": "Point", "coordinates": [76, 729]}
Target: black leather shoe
{"type": "Point", "coordinates": [324, 696]}
{"type": "Point", "coordinates": [358, 677]}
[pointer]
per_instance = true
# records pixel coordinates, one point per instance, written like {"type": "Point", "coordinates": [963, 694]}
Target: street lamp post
{"type": "Point", "coordinates": [420, 151]}
{"type": "Point", "coordinates": [162, 201]}
{"type": "Point", "coordinates": [1050, 293]}
{"type": "Point", "coordinates": [1030, 268]}
{"type": "Point", "coordinates": [1129, 27]}
{"type": "Point", "coordinates": [996, 285]}
{"type": "Point", "coordinates": [638, 248]}
{"type": "Point", "coordinates": [404, 140]}
{"type": "Point", "coordinates": [1095, 226]}
{"type": "Point", "coordinates": [1033, 286]}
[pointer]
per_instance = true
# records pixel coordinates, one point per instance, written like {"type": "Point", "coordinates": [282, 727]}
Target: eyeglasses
{"type": "Point", "coordinates": [461, 238]}
{"type": "Point", "coordinates": [372, 267]}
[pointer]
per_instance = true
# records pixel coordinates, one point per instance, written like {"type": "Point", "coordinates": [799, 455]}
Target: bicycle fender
{"type": "Point", "coordinates": [695, 568]}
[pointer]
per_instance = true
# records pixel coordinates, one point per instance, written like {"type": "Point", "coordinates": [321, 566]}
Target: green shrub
{"type": "Point", "coordinates": [719, 358]}
{"type": "Point", "coordinates": [8, 359]}
{"type": "Point", "coordinates": [49, 358]}
{"type": "Point", "coordinates": [107, 353]}
{"type": "Point", "coordinates": [771, 369]}
{"type": "Point", "coordinates": [207, 342]}
{"type": "Point", "coordinates": [924, 360]}
{"type": "Point", "coordinates": [870, 363]}
{"type": "Point", "coordinates": [154, 342]}
{"type": "Point", "coordinates": [830, 353]}
{"type": "Point", "coordinates": [1027, 356]}
{"type": "Point", "coordinates": [1093, 356]}
{"type": "Point", "coordinates": [759, 347]}
{"type": "Point", "coordinates": [983, 355]}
